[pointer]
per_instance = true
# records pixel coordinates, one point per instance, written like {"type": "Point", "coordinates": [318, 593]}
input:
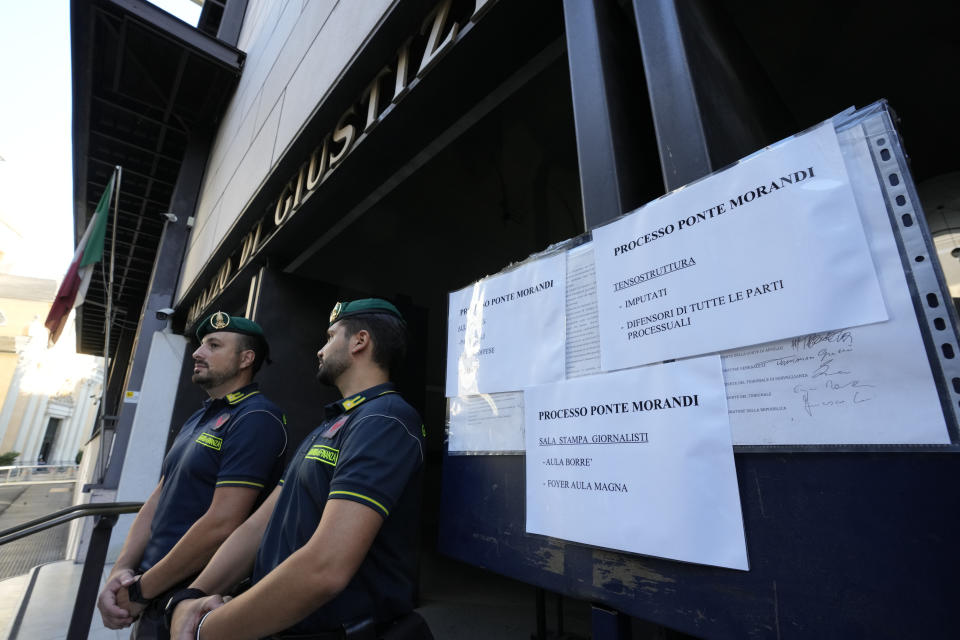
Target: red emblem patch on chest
{"type": "Point", "coordinates": [222, 420]}
{"type": "Point", "coordinates": [332, 431]}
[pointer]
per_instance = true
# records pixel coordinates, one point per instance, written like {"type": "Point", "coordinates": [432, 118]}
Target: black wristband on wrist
{"type": "Point", "coordinates": [177, 598]}
{"type": "Point", "coordinates": [135, 594]}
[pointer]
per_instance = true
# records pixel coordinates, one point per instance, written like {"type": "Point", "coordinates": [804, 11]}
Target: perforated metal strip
{"type": "Point", "coordinates": [937, 316]}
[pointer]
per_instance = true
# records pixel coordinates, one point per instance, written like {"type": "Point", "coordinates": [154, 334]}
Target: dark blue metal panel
{"type": "Point", "coordinates": [840, 545]}
{"type": "Point", "coordinates": [611, 113]}
{"type": "Point", "coordinates": [609, 624]}
{"type": "Point", "coordinates": [711, 103]}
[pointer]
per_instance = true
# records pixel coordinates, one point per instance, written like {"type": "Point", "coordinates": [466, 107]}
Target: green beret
{"type": "Point", "coordinates": [364, 307]}
{"type": "Point", "coordinates": [221, 321]}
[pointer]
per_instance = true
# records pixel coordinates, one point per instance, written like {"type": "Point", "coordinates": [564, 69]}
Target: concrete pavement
{"type": "Point", "coordinates": [24, 502]}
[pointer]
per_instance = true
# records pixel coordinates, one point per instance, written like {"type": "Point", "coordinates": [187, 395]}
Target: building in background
{"type": "Point", "coordinates": [50, 395]}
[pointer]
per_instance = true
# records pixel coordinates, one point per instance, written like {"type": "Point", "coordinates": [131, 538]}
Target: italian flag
{"type": "Point", "coordinates": [89, 252]}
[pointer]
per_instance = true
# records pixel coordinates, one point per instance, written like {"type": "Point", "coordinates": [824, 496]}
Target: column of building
{"type": "Point", "coordinates": [74, 432]}
{"type": "Point", "coordinates": [35, 426]}
{"type": "Point", "coordinates": [10, 402]}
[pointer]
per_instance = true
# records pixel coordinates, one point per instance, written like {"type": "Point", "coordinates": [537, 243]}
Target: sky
{"type": "Point", "coordinates": [36, 170]}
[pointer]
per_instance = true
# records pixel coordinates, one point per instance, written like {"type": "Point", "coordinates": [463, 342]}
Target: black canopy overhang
{"type": "Point", "coordinates": [143, 83]}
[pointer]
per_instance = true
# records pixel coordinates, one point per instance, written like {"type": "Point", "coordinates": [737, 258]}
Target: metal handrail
{"type": "Point", "coordinates": [96, 554]}
{"type": "Point", "coordinates": [65, 515]}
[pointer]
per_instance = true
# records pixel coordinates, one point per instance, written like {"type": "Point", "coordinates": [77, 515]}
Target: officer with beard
{"type": "Point", "coordinates": [226, 458]}
{"type": "Point", "coordinates": [333, 550]}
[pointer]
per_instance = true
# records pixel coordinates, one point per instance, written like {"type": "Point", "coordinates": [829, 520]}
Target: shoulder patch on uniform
{"type": "Point", "coordinates": [350, 403]}
{"type": "Point", "coordinates": [320, 453]}
{"type": "Point", "coordinates": [222, 420]}
{"type": "Point", "coordinates": [208, 440]}
{"type": "Point", "coordinates": [332, 431]}
{"type": "Point", "coordinates": [237, 396]}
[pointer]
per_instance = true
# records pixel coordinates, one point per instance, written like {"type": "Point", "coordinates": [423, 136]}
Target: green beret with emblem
{"type": "Point", "coordinates": [365, 306]}
{"type": "Point", "coordinates": [222, 321]}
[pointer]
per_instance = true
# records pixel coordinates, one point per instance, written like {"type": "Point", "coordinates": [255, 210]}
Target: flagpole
{"type": "Point", "coordinates": [118, 171]}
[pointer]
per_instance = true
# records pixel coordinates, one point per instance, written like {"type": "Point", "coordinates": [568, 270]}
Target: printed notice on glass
{"type": "Point", "coordinates": [583, 331]}
{"type": "Point", "coordinates": [638, 461]}
{"type": "Point", "coordinates": [506, 332]}
{"type": "Point", "coordinates": [486, 423]}
{"type": "Point", "coordinates": [861, 385]}
{"type": "Point", "coordinates": [770, 248]}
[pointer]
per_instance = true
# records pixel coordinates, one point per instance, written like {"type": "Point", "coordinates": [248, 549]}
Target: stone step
{"type": "Point", "coordinates": [45, 605]}
{"type": "Point", "coordinates": [11, 596]}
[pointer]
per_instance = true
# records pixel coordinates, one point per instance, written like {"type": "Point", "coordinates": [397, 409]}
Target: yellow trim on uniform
{"type": "Point", "coordinates": [237, 396]}
{"type": "Point", "coordinates": [352, 402]}
{"type": "Point", "coordinates": [208, 440]}
{"type": "Point", "coordinates": [252, 484]}
{"type": "Point", "coordinates": [322, 453]}
{"type": "Point", "coordinates": [360, 495]}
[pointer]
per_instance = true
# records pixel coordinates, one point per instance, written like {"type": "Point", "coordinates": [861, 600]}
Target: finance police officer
{"type": "Point", "coordinates": [225, 459]}
{"type": "Point", "coordinates": [333, 549]}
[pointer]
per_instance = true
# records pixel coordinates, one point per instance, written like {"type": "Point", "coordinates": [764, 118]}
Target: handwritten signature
{"type": "Point", "coordinates": [826, 368]}
{"type": "Point", "coordinates": [851, 393]}
{"type": "Point", "coordinates": [782, 361]}
{"type": "Point", "coordinates": [839, 337]}
{"type": "Point", "coordinates": [825, 356]}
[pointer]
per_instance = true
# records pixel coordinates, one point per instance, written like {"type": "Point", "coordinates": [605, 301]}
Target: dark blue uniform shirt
{"type": "Point", "coordinates": [369, 449]}
{"type": "Point", "coordinates": [235, 441]}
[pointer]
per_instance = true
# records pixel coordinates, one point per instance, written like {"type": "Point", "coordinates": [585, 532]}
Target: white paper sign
{"type": "Point", "coordinates": [638, 461]}
{"type": "Point", "coordinates": [862, 385]}
{"type": "Point", "coordinates": [770, 248]}
{"type": "Point", "coordinates": [507, 332]}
